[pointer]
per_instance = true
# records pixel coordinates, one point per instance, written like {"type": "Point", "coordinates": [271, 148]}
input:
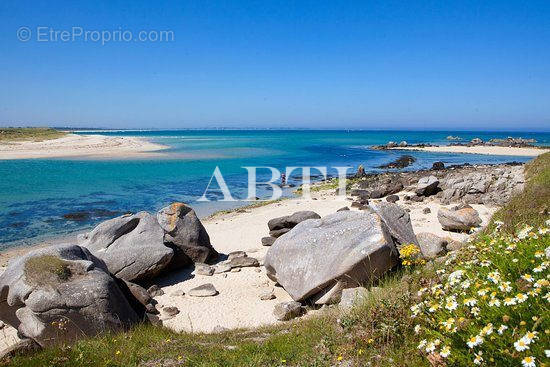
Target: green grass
{"type": "Point", "coordinates": [318, 341]}
{"type": "Point", "coordinates": [533, 204]}
{"type": "Point", "coordinates": [11, 134]}
{"type": "Point", "coordinates": [379, 331]}
{"type": "Point", "coordinates": [499, 281]}
{"type": "Point", "coordinates": [46, 269]}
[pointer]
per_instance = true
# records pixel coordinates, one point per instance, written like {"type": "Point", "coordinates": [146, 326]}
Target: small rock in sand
{"type": "Point", "coordinates": [171, 311]}
{"type": "Point", "coordinates": [287, 310]}
{"type": "Point", "coordinates": [266, 296]}
{"type": "Point", "coordinates": [392, 198]}
{"type": "Point", "coordinates": [426, 210]}
{"type": "Point", "coordinates": [343, 209]}
{"type": "Point", "coordinates": [204, 269]}
{"type": "Point", "coordinates": [268, 241]}
{"type": "Point", "coordinates": [235, 254]}
{"type": "Point", "coordinates": [155, 291]}
{"type": "Point", "coordinates": [205, 290]}
{"type": "Point", "coordinates": [242, 262]}
{"type": "Point", "coordinates": [222, 268]}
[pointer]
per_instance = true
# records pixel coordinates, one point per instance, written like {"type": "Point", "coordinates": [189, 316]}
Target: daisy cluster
{"type": "Point", "coordinates": [490, 304]}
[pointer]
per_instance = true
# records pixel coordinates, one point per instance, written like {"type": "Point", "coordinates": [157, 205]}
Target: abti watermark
{"type": "Point", "coordinates": [81, 34]}
{"type": "Point", "coordinates": [276, 183]}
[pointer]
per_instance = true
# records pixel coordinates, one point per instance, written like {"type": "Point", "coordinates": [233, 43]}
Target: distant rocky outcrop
{"type": "Point", "coordinates": [401, 162]}
{"type": "Point", "coordinates": [474, 184]}
{"type": "Point", "coordinates": [61, 293]}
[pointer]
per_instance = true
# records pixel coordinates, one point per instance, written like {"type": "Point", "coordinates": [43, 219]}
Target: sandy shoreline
{"type": "Point", "coordinates": [238, 304]}
{"type": "Point", "coordinates": [73, 145]}
{"type": "Point", "coordinates": [481, 149]}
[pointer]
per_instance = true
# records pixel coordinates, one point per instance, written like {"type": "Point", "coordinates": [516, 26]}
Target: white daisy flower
{"type": "Point", "coordinates": [430, 347]}
{"type": "Point", "coordinates": [521, 345]}
{"type": "Point", "coordinates": [487, 330]}
{"type": "Point", "coordinates": [474, 341]}
{"type": "Point", "coordinates": [445, 351]}
{"type": "Point", "coordinates": [505, 287]}
{"type": "Point", "coordinates": [509, 301]}
{"type": "Point", "coordinates": [527, 277]}
{"type": "Point", "coordinates": [451, 305]}
{"type": "Point", "coordinates": [494, 276]}
{"type": "Point", "coordinates": [528, 362]}
{"type": "Point", "coordinates": [520, 297]}
{"type": "Point", "coordinates": [501, 329]}
{"type": "Point", "coordinates": [478, 359]}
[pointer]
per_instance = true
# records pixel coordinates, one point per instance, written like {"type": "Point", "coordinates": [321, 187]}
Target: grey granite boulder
{"type": "Point", "coordinates": [427, 186]}
{"type": "Point", "coordinates": [290, 221]}
{"type": "Point", "coordinates": [185, 233]}
{"type": "Point", "coordinates": [398, 222]}
{"type": "Point", "coordinates": [61, 293]}
{"type": "Point", "coordinates": [432, 246]}
{"type": "Point", "coordinates": [458, 220]}
{"type": "Point", "coordinates": [132, 246]}
{"type": "Point", "coordinates": [341, 250]}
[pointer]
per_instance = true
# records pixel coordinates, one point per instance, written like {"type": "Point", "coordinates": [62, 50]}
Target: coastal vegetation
{"type": "Point", "coordinates": [11, 134]}
{"type": "Point", "coordinates": [484, 304]}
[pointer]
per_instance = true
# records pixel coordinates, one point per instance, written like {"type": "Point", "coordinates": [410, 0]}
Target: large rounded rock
{"type": "Point", "coordinates": [61, 293]}
{"type": "Point", "coordinates": [458, 220]}
{"type": "Point", "coordinates": [427, 186]}
{"type": "Point", "coordinates": [132, 246]}
{"type": "Point", "coordinates": [185, 233]}
{"type": "Point", "coordinates": [318, 258]}
{"type": "Point", "coordinates": [290, 221]}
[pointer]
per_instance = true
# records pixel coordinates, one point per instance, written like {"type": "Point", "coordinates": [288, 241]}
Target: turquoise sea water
{"type": "Point", "coordinates": [35, 195]}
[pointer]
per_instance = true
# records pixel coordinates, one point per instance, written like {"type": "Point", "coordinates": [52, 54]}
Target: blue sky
{"type": "Point", "coordinates": [314, 64]}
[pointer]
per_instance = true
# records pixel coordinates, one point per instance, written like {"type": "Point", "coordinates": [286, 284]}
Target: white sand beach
{"type": "Point", "coordinates": [238, 304]}
{"type": "Point", "coordinates": [480, 149]}
{"type": "Point", "coordinates": [73, 145]}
